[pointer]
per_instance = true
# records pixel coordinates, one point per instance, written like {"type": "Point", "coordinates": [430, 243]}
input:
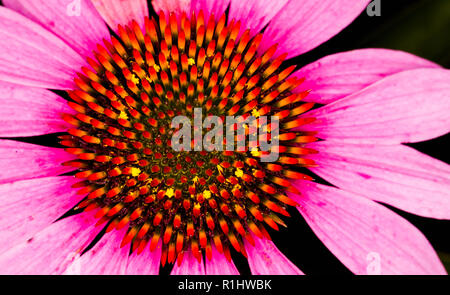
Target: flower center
{"type": "Point", "coordinates": [187, 199]}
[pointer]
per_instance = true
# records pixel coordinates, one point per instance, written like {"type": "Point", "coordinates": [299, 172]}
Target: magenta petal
{"type": "Point", "coordinates": [396, 175]}
{"type": "Point", "coordinates": [189, 266]}
{"type": "Point", "coordinates": [219, 265]}
{"type": "Point", "coordinates": [365, 236]}
{"type": "Point", "coordinates": [53, 249]}
{"type": "Point", "coordinates": [254, 14]}
{"type": "Point", "coordinates": [338, 75]}
{"type": "Point", "coordinates": [303, 25]}
{"type": "Point", "coordinates": [105, 258]}
{"type": "Point", "coordinates": [29, 111]}
{"type": "Point", "coordinates": [122, 12]}
{"type": "Point", "coordinates": [29, 206]}
{"type": "Point", "coordinates": [81, 32]}
{"type": "Point", "coordinates": [264, 258]}
{"type": "Point", "coordinates": [145, 263]}
{"type": "Point", "coordinates": [27, 161]}
{"type": "Point", "coordinates": [33, 56]}
{"type": "Point", "coordinates": [410, 106]}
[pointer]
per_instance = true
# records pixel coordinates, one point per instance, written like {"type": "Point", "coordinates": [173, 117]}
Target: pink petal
{"type": "Point", "coordinates": [338, 75]}
{"type": "Point", "coordinates": [410, 106]}
{"type": "Point", "coordinates": [396, 175]}
{"type": "Point", "coordinates": [105, 258]}
{"type": "Point", "coordinates": [29, 111]}
{"type": "Point", "coordinates": [365, 236]}
{"type": "Point", "coordinates": [189, 266]}
{"type": "Point", "coordinates": [53, 249]}
{"type": "Point", "coordinates": [219, 265]}
{"type": "Point", "coordinates": [217, 7]}
{"type": "Point", "coordinates": [81, 32]}
{"type": "Point", "coordinates": [29, 206]}
{"type": "Point", "coordinates": [33, 56]}
{"type": "Point", "coordinates": [303, 25]}
{"type": "Point", "coordinates": [27, 161]}
{"type": "Point", "coordinates": [265, 259]}
{"type": "Point", "coordinates": [122, 12]}
{"type": "Point", "coordinates": [145, 263]}
{"type": "Point", "coordinates": [168, 6]}
{"type": "Point", "coordinates": [254, 14]}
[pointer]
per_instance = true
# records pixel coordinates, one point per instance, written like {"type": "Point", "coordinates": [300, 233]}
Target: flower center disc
{"type": "Point", "coordinates": [122, 137]}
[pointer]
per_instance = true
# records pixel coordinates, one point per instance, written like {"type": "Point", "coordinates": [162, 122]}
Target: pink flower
{"type": "Point", "coordinates": [130, 190]}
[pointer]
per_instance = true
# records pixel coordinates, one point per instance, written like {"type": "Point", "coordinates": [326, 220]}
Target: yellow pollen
{"type": "Point", "coordinates": [157, 68]}
{"type": "Point", "coordinates": [135, 79]}
{"type": "Point", "coordinates": [170, 193]}
{"type": "Point", "coordinates": [206, 194]}
{"type": "Point", "coordinates": [123, 115]}
{"type": "Point", "coordinates": [191, 61]}
{"type": "Point", "coordinates": [255, 152]}
{"type": "Point", "coordinates": [135, 171]}
{"type": "Point", "coordinates": [255, 113]}
{"type": "Point", "coordinates": [239, 173]}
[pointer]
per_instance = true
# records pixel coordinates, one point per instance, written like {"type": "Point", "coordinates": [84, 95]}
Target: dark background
{"type": "Point", "coordinates": [420, 27]}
